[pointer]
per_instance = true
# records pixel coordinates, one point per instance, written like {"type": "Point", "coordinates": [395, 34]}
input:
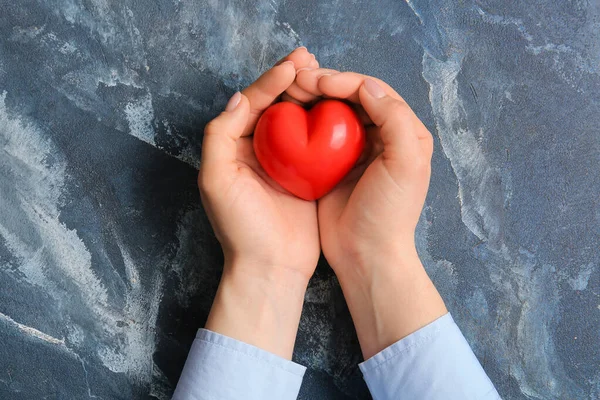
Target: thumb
{"type": "Point", "coordinates": [397, 123]}
{"type": "Point", "coordinates": [219, 147]}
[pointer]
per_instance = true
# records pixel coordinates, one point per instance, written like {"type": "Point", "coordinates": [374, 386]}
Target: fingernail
{"type": "Point", "coordinates": [374, 89]}
{"type": "Point", "coordinates": [302, 47]}
{"type": "Point", "coordinates": [233, 102]}
{"type": "Point", "coordinates": [288, 62]}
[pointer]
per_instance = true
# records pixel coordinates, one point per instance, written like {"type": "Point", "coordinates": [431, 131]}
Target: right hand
{"type": "Point", "coordinates": [367, 222]}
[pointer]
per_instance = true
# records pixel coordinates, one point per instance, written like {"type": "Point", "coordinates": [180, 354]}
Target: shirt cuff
{"type": "Point", "coordinates": [435, 362]}
{"type": "Point", "coordinates": [221, 368]}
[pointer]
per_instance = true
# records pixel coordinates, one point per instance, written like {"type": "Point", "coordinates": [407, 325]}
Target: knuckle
{"type": "Point", "coordinates": [207, 191]}
{"type": "Point", "coordinates": [212, 127]}
{"type": "Point", "coordinates": [422, 164]}
{"type": "Point", "coordinates": [205, 183]}
{"type": "Point", "coordinates": [429, 143]}
{"type": "Point", "coordinates": [430, 148]}
{"type": "Point", "coordinates": [428, 136]}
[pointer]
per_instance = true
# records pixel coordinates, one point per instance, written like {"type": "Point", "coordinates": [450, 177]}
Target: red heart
{"type": "Point", "coordinates": [308, 153]}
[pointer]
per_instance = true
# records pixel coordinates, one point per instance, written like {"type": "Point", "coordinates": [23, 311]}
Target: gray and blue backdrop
{"type": "Point", "coordinates": [108, 264]}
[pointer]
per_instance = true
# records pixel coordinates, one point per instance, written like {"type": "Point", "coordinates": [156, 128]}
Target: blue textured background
{"type": "Point", "coordinates": [108, 264]}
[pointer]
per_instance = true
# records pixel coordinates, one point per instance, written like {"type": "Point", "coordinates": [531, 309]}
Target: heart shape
{"type": "Point", "coordinates": [308, 152]}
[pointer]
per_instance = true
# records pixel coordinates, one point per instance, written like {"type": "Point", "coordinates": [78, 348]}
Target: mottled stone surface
{"type": "Point", "coordinates": [108, 264]}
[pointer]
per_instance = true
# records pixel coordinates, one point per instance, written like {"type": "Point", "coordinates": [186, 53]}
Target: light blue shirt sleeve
{"type": "Point", "coordinates": [432, 363]}
{"type": "Point", "coordinates": [435, 362]}
{"type": "Point", "coordinates": [222, 368]}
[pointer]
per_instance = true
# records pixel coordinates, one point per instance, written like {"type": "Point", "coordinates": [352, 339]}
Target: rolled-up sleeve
{"type": "Point", "coordinates": [222, 368]}
{"type": "Point", "coordinates": [435, 362]}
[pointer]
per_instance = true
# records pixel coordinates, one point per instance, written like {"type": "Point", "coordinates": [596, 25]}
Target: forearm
{"type": "Point", "coordinates": [389, 298]}
{"type": "Point", "coordinates": [263, 311]}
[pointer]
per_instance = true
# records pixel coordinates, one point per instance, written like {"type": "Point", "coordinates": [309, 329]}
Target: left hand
{"type": "Point", "coordinates": [367, 222]}
{"type": "Point", "coordinates": [270, 238]}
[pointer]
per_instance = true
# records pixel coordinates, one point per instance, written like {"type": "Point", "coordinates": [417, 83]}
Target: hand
{"type": "Point", "coordinates": [270, 238]}
{"type": "Point", "coordinates": [377, 207]}
{"type": "Point", "coordinates": [367, 223]}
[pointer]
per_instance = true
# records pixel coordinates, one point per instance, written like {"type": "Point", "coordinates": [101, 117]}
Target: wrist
{"type": "Point", "coordinates": [261, 307]}
{"type": "Point", "coordinates": [389, 297]}
{"type": "Point", "coordinates": [359, 263]}
{"type": "Point", "coordinates": [274, 274]}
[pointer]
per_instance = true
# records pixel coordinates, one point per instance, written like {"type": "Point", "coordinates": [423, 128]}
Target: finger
{"type": "Point", "coordinates": [262, 93]}
{"type": "Point", "coordinates": [299, 94]}
{"type": "Point", "coordinates": [346, 85]}
{"type": "Point", "coordinates": [304, 89]}
{"type": "Point", "coordinates": [398, 126]}
{"type": "Point", "coordinates": [287, 97]}
{"type": "Point", "coordinates": [299, 56]}
{"type": "Point", "coordinates": [373, 146]}
{"type": "Point", "coordinates": [331, 206]}
{"type": "Point", "coordinates": [308, 79]}
{"type": "Point", "coordinates": [313, 63]}
{"type": "Point", "coordinates": [362, 115]}
{"type": "Point", "coordinates": [270, 85]}
{"type": "Point", "coordinates": [294, 91]}
{"type": "Point", "coordinates": [218, 163]}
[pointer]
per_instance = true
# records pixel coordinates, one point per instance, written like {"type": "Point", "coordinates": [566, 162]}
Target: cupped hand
{"type": "Point", "coordinates": [367, 222]}
{"type": "Point", "coordinates": [270, 238]}
{"type": "Point", "coordinates": [375, 209]}
{"type": "Point", "coordinates": [257, 222]}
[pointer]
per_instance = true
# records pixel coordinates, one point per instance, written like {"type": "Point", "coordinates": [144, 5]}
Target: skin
{"type": "Point", "coordinates": [367, 223]}
{"type": "Point", "coordinates": [365, 227]}
{"type": "Point", "coordinates": [270, 238]}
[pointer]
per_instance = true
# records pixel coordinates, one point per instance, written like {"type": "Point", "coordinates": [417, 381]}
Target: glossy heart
{"type": "Point", "coordinates": [308, 152]}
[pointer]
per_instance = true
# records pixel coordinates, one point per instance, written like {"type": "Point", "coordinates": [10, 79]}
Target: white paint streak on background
{"type": "Point", "coordinates": [29, 331]}
{"type": "Point", "coordinates": [462, 148]}
{"type": "Point", "coordinates": [58, 261]}
{"type": "Point", "coordinates": [140, 116]}
{"type": "Point", "coordinates": [232, 38]}
{"type": "Point", "coordinates": [580, 281]}
{"type": "Point", "coordinates": [522, 283]}
{"type": "Point", "coordinates": [55, 260]}
{"type": "Point", "coordinates": [412, 6]}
